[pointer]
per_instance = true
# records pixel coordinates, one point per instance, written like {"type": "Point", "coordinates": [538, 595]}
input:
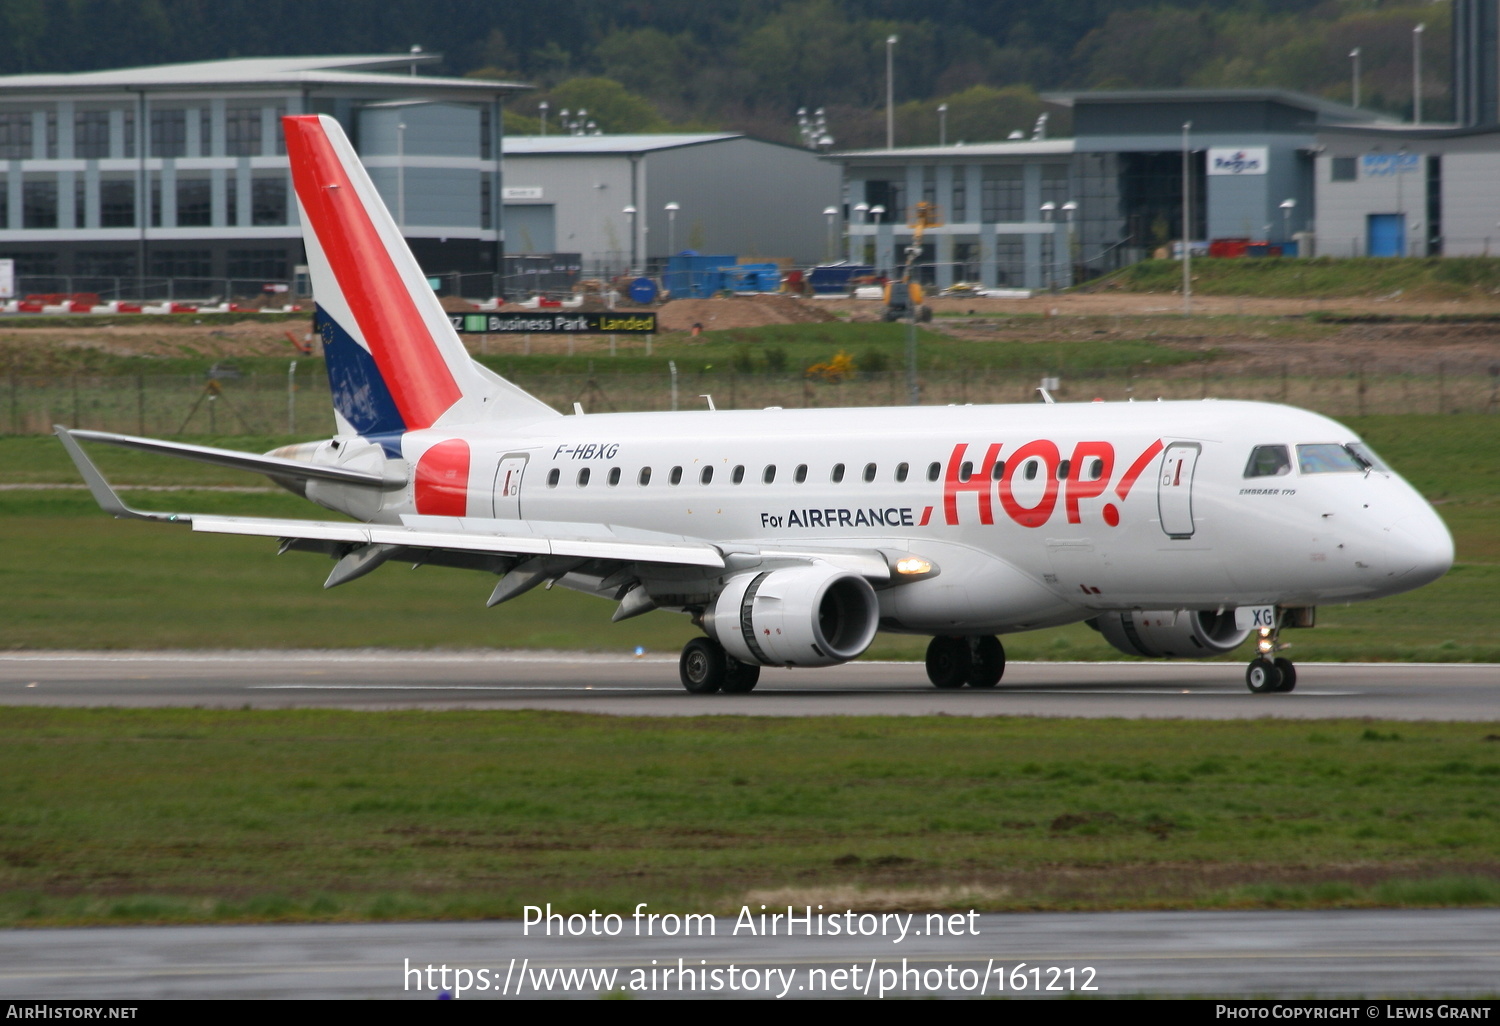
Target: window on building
{"type": "Point", "coordinates": [116, 204]}
{"type": "Point", "coordinates": [242, 132]}
{"type": "Point", "coordinates": [279, 133]}
{"type": "Point", "coordinates": [155, 200]}
{"type": "Point", "coordinates": [108, 263]}
{"type": "Point", "coordinates": [4, 203]}
{"type": "Point", "coordinates": [1344, 169]}
{"type": "Point", "coordinates": [484, 135]}
{"type": "Point", "coordinates": [268, 201]}
{"type": "Point", "coordinates": [91, 134]}
{"type": "Point", "coordinates": [1055, 186]}
{"type": "Point", "coordinates": [205, 132]}
{"type": "Point", "coordinates": [485, 201]}
{"type": "Point", "coordinates": [169, 133]}
{"type": "Point", "coordinates": [182, 263]}
{"type": "Point", "coordinates": [1003, 195]}
{"type": "Point", "coordinates": [195, 207]}
{"type": "Point", "coordinates": [52, 135]}
{"type": "Point", "coordinates": [129, 132]}
{"type": "Point", "coordinates": [39, 203]}
{"type": "Point", "coordinates": [33, 264]}
{"type": "Point", "coordinates": [960, 195]}
{"type": "Point", "coordinates": [231, 199]}
{"type": "Point", "coordinates": [258, 264]}
{"type": "Point", "coordinates": [80, 203]}
{"type": "Point", "coordinates": [15, 135]}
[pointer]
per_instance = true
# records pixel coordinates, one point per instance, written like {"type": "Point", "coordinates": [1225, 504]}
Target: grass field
{"type": "Point", "coordinates": [1430, 278]}
{"type": "Point", "coordinates": [193, 815]}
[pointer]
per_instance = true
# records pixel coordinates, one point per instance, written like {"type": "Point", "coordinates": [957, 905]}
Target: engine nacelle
{"type": "Point", "coordinates": [801, 616]}
{"type": "Point", "coordinates": [1171, 633]}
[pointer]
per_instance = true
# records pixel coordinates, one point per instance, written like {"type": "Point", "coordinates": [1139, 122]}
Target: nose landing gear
{"type": "Point", "coordinates": [1268, 673]}
{"type": "Point", "coordinates": [953, 662]}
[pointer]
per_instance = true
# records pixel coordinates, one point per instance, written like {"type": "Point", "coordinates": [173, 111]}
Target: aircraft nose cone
{"type": "Point", "coordinates": [1422, 549]}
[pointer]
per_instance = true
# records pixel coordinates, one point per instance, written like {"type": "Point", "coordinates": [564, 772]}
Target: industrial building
{"type": "Point", "coordinates": [624, 202]}
{"type": "Point", "coordinates": [120, 181]}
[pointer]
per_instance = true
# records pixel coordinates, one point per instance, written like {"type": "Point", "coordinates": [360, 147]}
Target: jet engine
{"type": "Point", "coordinates": [800, 616]}
{"type": "Point", "coordinates": [1171, 633]}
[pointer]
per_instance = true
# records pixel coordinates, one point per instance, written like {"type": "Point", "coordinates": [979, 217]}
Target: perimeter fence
{"type": "Point", "coordinates": [268, 403]}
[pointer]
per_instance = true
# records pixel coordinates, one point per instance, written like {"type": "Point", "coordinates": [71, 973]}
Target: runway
{"type": "Point", "coordinates": [1361, 954]}
{"type": "Point", "coordinates": [648, 686]}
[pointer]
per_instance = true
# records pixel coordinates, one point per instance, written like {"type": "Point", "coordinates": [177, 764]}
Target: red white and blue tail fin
{"type": "Point", "coordinates": [395, 363]}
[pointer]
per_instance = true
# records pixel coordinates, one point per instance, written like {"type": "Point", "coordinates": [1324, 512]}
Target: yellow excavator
{"type": "Point", "coordinates": [904, 298]}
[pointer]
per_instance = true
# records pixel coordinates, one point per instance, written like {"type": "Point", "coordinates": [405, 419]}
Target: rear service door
{"type": "Point", "coordinates": [1174, 493]}
{"type": "Point", "coordinates": [507, 490]}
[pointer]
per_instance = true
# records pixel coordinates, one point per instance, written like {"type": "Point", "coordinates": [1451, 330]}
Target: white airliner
{"type": "Point", "coordinates": [1176, 529]}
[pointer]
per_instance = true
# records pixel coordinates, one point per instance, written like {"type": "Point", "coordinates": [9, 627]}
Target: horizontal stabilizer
{"type": "Point", "coordinates": [103, 494]}
{"type": "Point", "coordinates": [273, 466]}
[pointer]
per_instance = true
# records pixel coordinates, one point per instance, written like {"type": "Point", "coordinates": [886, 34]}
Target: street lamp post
{"type": "Point", "coordinates": [542, 108]}
{"type": "Point", "coordinates": [1416, 73]}
{"type": "Point", "coordinates": [1354, 57]}
{"type": "Point", "coordinates": [630, 212]}
{"type": "Point", "coordinates": [401, 177]}
{"type": "Point", "coordinates": [1287, 206]}
{"type": "Point", "coordinates": [1051, 255]}
{"type": "Point", "coordinates": [877, 212]}
{"type": "Point", "coordinates": [863, 210]}
{"type": "Point", "coordinates": [890, 92]}
{"type": "Point", "coordinates": [1070, 208]}
{"type": "Point", "coordinates": [1187, 221]}
{"type": "Point", "coordinates": [671, 209]}
{"type": "Point", "coordinates": [830, 213]}
{"type": "Point", "coordinates": [942, 124]}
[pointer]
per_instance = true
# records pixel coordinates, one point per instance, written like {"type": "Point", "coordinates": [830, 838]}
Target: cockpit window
{"type": "Point", "coordinates": [1328, 458]}
{"type": "Point", "coordinates": [1269, 461]}
{"type": "Point", "coordinates": [1365, 454]}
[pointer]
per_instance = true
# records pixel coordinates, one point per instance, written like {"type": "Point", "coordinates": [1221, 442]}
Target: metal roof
{"type": "Point", "coordinates": [267, 72]}
{"type": "Point", "coordinates": [1288, 97]}
{"type": "Point", "coordinates": [593, 145]}
{"type": "Point", "coordinates": [1008, 148]}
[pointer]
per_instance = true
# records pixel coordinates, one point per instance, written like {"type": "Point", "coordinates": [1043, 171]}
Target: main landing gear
{"type": "Point", "coordinates": [1268, 672]}
{"type": "Point", "coordinates": [976, 661]}
{"type": "Point", "coordinates": [705, 668]}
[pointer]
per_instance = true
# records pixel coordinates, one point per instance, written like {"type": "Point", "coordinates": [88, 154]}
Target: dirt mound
{"type": "Point", "coordinates": [739, 312]}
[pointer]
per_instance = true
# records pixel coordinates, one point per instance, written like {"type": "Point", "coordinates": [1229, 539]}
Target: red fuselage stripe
{"type": "Point", "coordinates": [408, 359]}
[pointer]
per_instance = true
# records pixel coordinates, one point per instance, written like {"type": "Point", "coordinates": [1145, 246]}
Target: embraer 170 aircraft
{"type": "Point", "coordinates": [1176, 529]}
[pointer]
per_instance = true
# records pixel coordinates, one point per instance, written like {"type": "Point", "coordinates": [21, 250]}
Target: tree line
{"type": "Point", "coordinates": [651, 65]}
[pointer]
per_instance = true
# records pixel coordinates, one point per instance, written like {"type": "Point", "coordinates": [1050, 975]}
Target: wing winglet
{"type": "Point", "coordinates": [103, 494]}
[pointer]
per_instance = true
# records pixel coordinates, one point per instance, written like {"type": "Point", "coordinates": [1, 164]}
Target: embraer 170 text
{"type": "Point", "coordinates": [1176, 529]}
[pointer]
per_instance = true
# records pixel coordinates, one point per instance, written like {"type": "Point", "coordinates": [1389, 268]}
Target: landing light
{"type": "Point", "coordinates": [912, 566]}
{"type": "Point", "coordinates": [1264, 644]}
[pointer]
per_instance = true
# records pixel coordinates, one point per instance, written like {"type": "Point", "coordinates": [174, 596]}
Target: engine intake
{"type": "Point", "coordinates": [802, 616]}
{"type": "Point", "coordinates": [1171, 633]}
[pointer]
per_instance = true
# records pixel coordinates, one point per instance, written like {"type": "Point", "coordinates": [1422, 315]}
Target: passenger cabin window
{"type": "Point", "coordinates": [770, 473]}
{"type": "Point", "coordinates": [838, 473]}
{"type": "Point", "coordinates": [934, 471]}
{"type": "Point", "coordinates": [553, 476]}
{"type": "Point", "coordinates": [801, 474]}
{"type": "Point", "coordinates": [614, 476]}
{"type": "Point", "coordinates": [965, 470]}
{"type": "Point", "coordinates": [869, 471]}
{"type": "Point", "coordinates": [1031, 468]}
{"type": "Point", "coordinates": [583, 477]}
{"type": "Point", "coordinates": [676, 476]}
{"type": "Point", "coordinates": [902, 470]}
{"type": "Point", "coordinates": [1096, 470]}
{"type": "Point", "coordinates": [1269, 461]}
{"type": "Point", "coordinates": [998, 470]}
{"type": "Point", "coordinates": [1327, 458]}
{"type": "Point", "coordinates": [707, 476]}
{"type": "Point", "coordinates": [645, 477]}
{"type": "Point", "coordinates": [1063, 469]}
{"type": "Point", "coordinates": [739, 474]}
